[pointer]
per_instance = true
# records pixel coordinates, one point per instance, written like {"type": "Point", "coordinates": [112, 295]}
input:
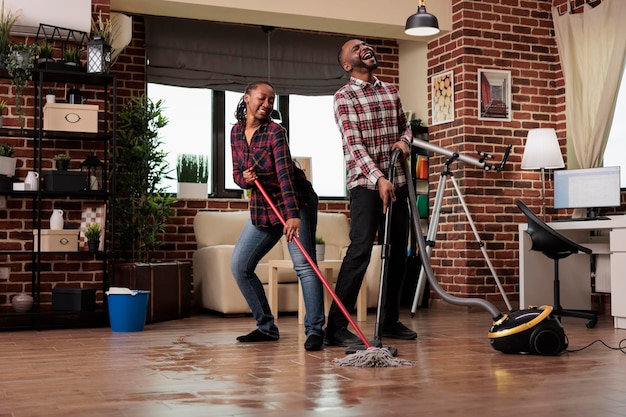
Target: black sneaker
{"type": "Point", "coordinates": [313, 342]}
{"type": "Point", "coordinates": [398, 330]}
{"type": "Point", "coordinates": [341, 337]}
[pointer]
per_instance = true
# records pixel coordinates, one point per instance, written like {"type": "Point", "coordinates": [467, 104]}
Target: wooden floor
{"type": "Point", "coordinates": [194, 367]}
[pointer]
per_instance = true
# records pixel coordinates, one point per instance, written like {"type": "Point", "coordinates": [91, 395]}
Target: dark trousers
{"type": "Point", "coordinates": [366, 219]}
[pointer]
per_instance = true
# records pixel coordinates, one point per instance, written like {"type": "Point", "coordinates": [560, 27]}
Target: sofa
{"type": "Point", "coordinates": [217, 232]}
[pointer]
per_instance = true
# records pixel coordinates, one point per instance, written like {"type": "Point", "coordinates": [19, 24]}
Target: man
{"type": "Point", "coordinates": [369, 115]}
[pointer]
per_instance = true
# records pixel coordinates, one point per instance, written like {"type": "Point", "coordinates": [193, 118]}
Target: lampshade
{"type": "Point", "coordinates": [421, 23]}
{"type": "Point", "coordinates": [542, 150]}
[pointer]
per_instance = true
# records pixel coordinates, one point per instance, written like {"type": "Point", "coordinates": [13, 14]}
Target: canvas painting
{"type": "Point", "coordinates": [442, 89]}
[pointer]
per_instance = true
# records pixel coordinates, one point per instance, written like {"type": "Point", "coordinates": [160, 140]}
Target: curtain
{"type": "Point", "coordinates": [197, 53]}
{"type": "Point", "coordinates": [592, 48]}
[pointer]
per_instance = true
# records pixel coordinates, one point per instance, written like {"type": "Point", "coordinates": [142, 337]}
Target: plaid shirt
{"type": "Point", "coordinates": [268, 154]}
{"type": "Point", "coordinates": [371, 119]}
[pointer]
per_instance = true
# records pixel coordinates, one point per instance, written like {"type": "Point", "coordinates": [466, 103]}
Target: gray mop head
{"type": "Point", "coordinates": [373, 357]}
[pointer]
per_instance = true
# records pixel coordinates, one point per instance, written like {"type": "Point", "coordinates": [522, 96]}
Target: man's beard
{"type": "Point", "coordinates": [371, 67]}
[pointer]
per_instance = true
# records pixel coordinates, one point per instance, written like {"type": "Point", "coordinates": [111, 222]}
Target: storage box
{"type": "Point", "coordinates": [70, 117]}
{"type": "Point", "coordinates": [73, 299]}
{"type": "Point", "coordinates": [64, 181]}
{"type": "Point", "coordinates": [65, 240]}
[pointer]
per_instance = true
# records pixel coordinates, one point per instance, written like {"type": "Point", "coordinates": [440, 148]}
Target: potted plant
{"type": "Point", "coordinates": [20, 64]}
{"type": "Point", "coordinates": [7, 162]}
{"type": "Point", "coordinates": [192, 172]}
{"type": "Point", "coordinates": [320, 248]}
{"type": "Point", "coordinates": [143, 207]}
{"type": "Point", "coordinates": [7, 20]}
{"type": "Point", "coordinates": [50, 97]}
{"type": "Point", "coordinates": [92, 234]}
{"type": "Point", "coordinates": [62, 161]}
{"type": "Point", "coordinates": [44, 54]}
{"type": "Point", "coordinates": [71, 56]}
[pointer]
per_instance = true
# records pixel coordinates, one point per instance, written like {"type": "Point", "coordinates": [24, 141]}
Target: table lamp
{"type": "Point", "coordinates": [542, 151]}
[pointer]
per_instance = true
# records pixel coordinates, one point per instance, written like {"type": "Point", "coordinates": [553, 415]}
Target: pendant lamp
{"type": "Point", "coordinates": [275, 115]}
{"type": "Point", "coordinates": [421, 23]}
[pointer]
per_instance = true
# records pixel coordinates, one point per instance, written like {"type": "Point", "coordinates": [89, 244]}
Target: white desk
{"type": "Point", "coordinates": [604, 237]}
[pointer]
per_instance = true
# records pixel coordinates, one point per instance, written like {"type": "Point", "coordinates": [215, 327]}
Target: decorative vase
{"type": "Point", "coordinates": [22, 303]}
{"type": "Point", "coordinates": [56, 220]}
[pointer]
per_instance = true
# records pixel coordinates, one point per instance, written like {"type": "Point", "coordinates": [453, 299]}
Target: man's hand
{"type": "Point", "coordinates": [403, 147]}
{"type": "Point", "coordinates": [385, 190]}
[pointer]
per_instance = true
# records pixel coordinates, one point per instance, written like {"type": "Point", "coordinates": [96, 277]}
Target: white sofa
{"type": "Point", "coordinates": [216, 234]}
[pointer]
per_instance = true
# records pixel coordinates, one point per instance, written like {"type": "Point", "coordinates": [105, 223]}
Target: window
{"type": "Point", "coordinates": [188, 111]}
{"type": "Point", "coordinates": [199, 119]}
{"type": "Point", "coordinates": [615, 152]}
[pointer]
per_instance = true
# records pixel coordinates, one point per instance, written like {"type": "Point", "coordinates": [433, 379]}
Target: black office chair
{"type": "Point", "coordinates": [555, 246]}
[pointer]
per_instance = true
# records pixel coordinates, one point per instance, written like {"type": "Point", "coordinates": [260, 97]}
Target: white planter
{"type": "Point", "coordinates": [7, 166]}
{"type": "Point", "coordinates": [320, 251]}
{"type": "Point", "coordinates": [192, 191]}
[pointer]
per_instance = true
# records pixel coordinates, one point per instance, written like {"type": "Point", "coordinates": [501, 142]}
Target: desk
{"type": "Point", "coordinates": [326, 268]}
{"type": "Point", "coordinates": [605, 238]}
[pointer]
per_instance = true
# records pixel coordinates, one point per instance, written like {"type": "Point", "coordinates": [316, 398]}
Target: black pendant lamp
{"type": "Point", "coordinates": [421, 23]}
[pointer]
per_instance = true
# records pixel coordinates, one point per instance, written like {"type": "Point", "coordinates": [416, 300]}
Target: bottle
{"type": "Point", "coordinates": [56, 220]}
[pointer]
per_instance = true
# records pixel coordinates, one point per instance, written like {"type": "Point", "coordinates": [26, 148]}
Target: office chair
{"type": "Point", "coordinates": [555, 246]}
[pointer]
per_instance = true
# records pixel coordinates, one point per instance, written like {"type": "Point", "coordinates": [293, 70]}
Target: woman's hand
{"type": "Point", "coordinates": [249, 176]}
{"type": "Point", "coordinates": [291, 229]}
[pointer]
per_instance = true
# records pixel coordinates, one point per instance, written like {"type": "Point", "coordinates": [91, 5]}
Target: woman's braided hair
{"type": "Point", "coordinates": [240, 112]}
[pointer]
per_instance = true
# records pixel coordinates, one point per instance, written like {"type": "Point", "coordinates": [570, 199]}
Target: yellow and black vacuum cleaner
{"type": "Point", "coordinates": [534, 330]}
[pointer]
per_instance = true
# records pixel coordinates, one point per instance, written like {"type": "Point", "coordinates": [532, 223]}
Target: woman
{"type": "Point", "coordinates": [260, 151]}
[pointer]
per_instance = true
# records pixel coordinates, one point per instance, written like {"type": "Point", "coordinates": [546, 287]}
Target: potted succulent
{"type": "Point", "coordinates": [7, 20]}
{"type": "Point", "coordinates": [320, 248]}
{"type": "Point", "coordinates": [62, 161]}
{"type": "Point", "coordinates": [7, 162]}
{"type": "Point", "coordinates": [44, 54]}
{"type": "Point", "coordinates": [20, 64]}
{"type": "Point", "coordinates": [192, 172]}
{"type": "Point", "coordinates": [71, 56]}
{"type": "Point", "coordinates": [93, 233]}
{"type": "Point", "coordinates": [50, 97]}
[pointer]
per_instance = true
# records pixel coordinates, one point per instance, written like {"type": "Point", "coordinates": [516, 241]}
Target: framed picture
{"type": "Point", "coordinates": [494, 95]}
{"type": "Point", "coordinates": [408, 114]}
{"type": "Point", "coordinates": [92, 213]}
{"type": "Point", "coordinates": [442, 89]}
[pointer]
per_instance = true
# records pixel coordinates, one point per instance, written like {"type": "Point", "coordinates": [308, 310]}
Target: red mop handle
{"type": "Point", "coordinates": [315, 268]}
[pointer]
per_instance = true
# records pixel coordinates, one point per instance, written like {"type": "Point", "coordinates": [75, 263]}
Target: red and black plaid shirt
{"type": "Point", "coordinates": [268, 154]}
{"type": "Point", "coordinates": [371, 119]}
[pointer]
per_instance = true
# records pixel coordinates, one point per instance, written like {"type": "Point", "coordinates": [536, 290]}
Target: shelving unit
{"type": "Point", "coordinates": [102, 91]}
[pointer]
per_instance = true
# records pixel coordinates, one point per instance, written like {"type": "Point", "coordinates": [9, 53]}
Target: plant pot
{"type": "Point", "coordinates": [192, 191]}
{"type": "Point", "coordinates": [93, 245]}
{"type": "Point", "coordinates": [22, 303]}
{"type": "Point", "coordinates": [62, 165]}
{"type": "Point", "coordinates": [320, 250]}
{"type": "Point", "coordinates": [7, 166]}
{"type": "Point", "coordinates": [51, 98]}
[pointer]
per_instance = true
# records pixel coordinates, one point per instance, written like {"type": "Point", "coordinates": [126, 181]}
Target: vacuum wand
{"type": "Point", "coordinates": [479, 162]}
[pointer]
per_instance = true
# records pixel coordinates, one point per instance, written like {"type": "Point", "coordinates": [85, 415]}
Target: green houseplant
{"type": "Point", "coordinates": [142, 205]}
{"type": "Point", "coordinates": [142, 209]}
{"type": "Point", "coordinates": [7, 162]}
{"type": "Point", "coordinates": [44, 53]}
{"type": "Point", "coordinates": [7, 20]}
{"type": "Point", "coordinates": [71, 56]}
{"type": "Point", "coordinates": [320, 248]}
{"type": "Point", "coordinates": [20, 64]}
{"type": "Point", "coordinates": [192, 172]}
{"type": "Point", "coordinates": [92, 233]}
{"type": "Point", "coordinates": [62, 161]}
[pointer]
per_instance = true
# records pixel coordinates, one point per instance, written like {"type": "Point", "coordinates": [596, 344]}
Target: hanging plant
{"type": "Point", "coordinates": [20, 64]}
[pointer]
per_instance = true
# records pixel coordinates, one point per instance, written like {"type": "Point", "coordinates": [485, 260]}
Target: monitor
{"type": "Point", "coordinates": [588, 188]}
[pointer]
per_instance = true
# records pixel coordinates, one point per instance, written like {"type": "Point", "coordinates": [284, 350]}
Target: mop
{"type": "Point", "coordinates": [372, 356]}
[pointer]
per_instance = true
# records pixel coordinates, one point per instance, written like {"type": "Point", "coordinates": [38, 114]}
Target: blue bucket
{"type": "Point", "coordinates": [127, 312]}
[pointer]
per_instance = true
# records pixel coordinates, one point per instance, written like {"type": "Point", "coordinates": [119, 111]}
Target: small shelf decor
{"type": "Point", "coordinates": [94, 172]}
{"type": "Point", "coordinates": [99, 47]}
{"type": "Point", "coordinates": [92, 234]}
{"type": "Point", "coordinates": [62, 161]}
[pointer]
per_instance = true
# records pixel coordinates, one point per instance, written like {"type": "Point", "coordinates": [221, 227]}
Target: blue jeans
{"type": "Point", "coordinates": [254, 243]}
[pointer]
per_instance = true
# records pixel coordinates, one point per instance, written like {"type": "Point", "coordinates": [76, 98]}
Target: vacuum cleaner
{"type": "Point", "coordinates": [533, 330]}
